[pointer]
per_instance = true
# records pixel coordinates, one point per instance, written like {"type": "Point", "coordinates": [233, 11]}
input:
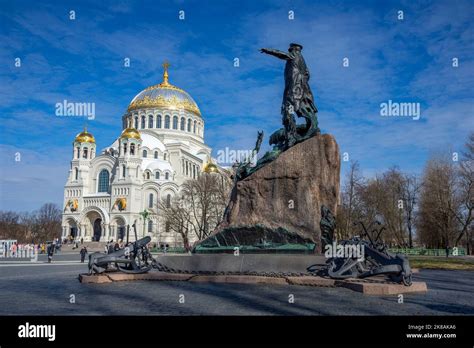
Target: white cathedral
{"type": "Point", "coordinates": [161, 146]}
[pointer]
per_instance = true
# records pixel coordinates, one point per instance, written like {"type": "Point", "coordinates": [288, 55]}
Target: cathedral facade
{"type": "Point", "coordinates": [161, 146]}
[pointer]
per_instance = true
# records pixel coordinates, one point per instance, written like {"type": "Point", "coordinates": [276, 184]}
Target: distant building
{"type": "Point", "coordinates": [161, 146]}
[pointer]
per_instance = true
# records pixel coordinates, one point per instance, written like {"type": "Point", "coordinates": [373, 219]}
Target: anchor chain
{"type": "Point", "coordinates": [163, 268]}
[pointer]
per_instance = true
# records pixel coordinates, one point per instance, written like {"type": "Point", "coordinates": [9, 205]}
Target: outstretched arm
{"type": "Point", "coordinates": [276, 53]}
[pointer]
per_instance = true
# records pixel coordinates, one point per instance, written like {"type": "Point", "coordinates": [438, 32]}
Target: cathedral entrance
{"type": "Point", "coordinates": [121, 233]}
{"type": "Point", "coordinates": [73, 232]}
{"type": "Point", "coordinates": [118, 225]}
{"type": "Point", "coordinates": [71, 229]}
{"type": "Point", "coordinates": [97, 230]}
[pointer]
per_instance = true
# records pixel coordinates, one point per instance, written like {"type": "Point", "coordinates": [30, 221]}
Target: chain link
{"type": "Point", "coordinates": [163, 268]}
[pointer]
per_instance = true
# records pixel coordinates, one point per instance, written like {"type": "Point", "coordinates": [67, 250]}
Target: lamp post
{"type": "Point", "coordinates": [144, 214]}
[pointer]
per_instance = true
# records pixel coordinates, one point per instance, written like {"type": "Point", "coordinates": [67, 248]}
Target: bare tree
{"type": "Point", "coordinates": [411, 187]}
{"type": "Point", "coordinates": [47, 224]}
{"type": "Point", "coordinates": [437, 225]}
{"type": "Point", "coordinates": [176, 216]}
{"type": "Point", "coordinates": [207, 197]}
{"type": "Point", "coordinates": [348, 211]}
{"type": "Point", "coordinates": [381, 196]}
{"type": "Point", "coordinates": [465, 193]}
{"type": "Point", "coordinates": [200, 206]}
{"type": "Point", "coordinates": [38, 226]}
{"type": "Point", "coordinates": [10, 225]}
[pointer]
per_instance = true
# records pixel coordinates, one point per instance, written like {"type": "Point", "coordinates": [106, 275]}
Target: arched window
{"type": "Point", "coordinates": [143, 122]}
{"type": "Point", "coordinates": [175, 122]}
{"type": "Point", "coordinates": [145, 153]}
{"type": "Point", "coordinates": [84, 153]}
{"type": "Point", "coordinates": [132, 149]}
{"type": "Point", "coordinates": [150, 226]}
{"type": "Point", "coordinates": [136, 122]}
{"type": "Point", "coordinates": [157, 175]}
{"type": "Point", "coordinates": [156, 155]}
{"type": "Point", "coordinates": [167, 176]}
{"type": "Point", "coordinates": [189, 125]}
{"type": "Point", "coordinates": [78, 152]}
{"type": "Point", "coordinates": [76, 173]}
{"type": "Point", "coordinates": [124, 148]}
{"type": "Point", "coordinates": [150, 200]}
{"type": "Point", "coordinates": [194, 129]}
{"type": "Point", "coordinates": [150, 121]}
{"type": "Point", "coordinates": [103, 185]}
{"type": "Point", "coordinates": [182, 123]}
{"type": "Point", "coordinates": [164, 156]}
{"type": "Point", "coordinates": [167, 121]}
{"type": "Point", "coordinates": [147, 175]}
{"type": "Point", "coordinates": [168, 200]}
{"type": "Point", "coordinates": [124, 171]}
{"type": "Point", "coordinates": [158, 122]}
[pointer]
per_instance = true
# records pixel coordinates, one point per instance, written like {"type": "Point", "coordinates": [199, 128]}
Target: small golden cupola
{"type": "Point", "coordinates": [130, 133]}
{"type": "Point", "coordinates": [85, 137]}
{"type": "Point", "coordinates": [210, 167]}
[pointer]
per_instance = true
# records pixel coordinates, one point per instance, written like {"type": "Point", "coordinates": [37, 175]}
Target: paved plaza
{"type": "Point", "coordinates": [46, 289]}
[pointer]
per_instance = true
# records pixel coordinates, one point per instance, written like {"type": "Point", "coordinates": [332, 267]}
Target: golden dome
{"type": "Point", "coordinates": [210, 167]}
{"type": "Point", "coordinates": [164, 95]}
{"type": "Point", "coordinates": [130, 133]}
{"type": "Point", "coordinates": [84, 137]}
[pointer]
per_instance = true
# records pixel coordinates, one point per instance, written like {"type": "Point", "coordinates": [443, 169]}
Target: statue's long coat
{"type": "Point", "coordinates": [297, 91]}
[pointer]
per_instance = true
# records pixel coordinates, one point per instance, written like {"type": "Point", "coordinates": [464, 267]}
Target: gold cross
{"type": "Point", "coordinates": [165, 73]}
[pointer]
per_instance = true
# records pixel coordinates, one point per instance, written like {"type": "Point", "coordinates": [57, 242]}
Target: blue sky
{"type": "Point", "coordinates": [82, 61]}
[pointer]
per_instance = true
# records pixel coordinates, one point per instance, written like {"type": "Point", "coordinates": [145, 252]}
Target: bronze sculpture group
{"type": "Point", "coordinates": [297, 101]}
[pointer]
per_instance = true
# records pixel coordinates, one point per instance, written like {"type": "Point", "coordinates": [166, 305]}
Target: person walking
{"type": "Point", "coordinates": [14, 248]}
{"type": "Point", "coordinates": [110, 249]}
{"type": "Point", "coordinates": [83, 253]}
{"type": "Point", "coordinates": [50, 252]}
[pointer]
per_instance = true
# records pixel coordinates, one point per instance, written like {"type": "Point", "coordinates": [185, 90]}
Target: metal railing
{"type": "Point", "coordinates": [429, 252]}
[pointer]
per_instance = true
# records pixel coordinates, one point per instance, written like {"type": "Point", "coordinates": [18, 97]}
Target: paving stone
{"type": "Point", "coordinates": [311, 281]}
{"type": "Point", "coordinates": [96, 279]}
{"type": "Point", "coordinates": [379, 288]}
{"type": "Point", "coordinates": [239, 279]}
{"type": "Point", "coordinates": [148, 276]}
